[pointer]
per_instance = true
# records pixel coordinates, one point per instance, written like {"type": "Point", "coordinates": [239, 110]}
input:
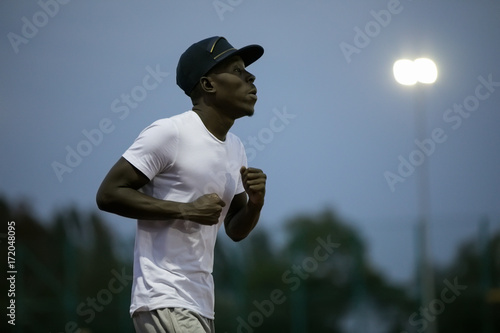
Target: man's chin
{"type": "Point", "coordinates": [252, 110]}
{"type": "Point", "coordinates": [248, 112]}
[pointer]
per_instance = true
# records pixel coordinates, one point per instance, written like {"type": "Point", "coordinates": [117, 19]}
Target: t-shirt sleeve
{"type": "Point", "coordinates": [155, 148]}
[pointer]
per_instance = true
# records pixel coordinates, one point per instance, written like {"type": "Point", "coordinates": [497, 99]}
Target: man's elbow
{"type": "Point", "coordinates": [104, 200]}
{"type": "Point", "coordinates": [236, 237]}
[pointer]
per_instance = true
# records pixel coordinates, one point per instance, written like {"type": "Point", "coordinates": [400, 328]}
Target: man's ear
{"type": "Point", "coordinates": [206, 84]}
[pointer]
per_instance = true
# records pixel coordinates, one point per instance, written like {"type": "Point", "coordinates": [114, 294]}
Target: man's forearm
{"type": "Point", "coordinates": [242, 223]}
{"type": "Point", "coordinates": [131, 203]}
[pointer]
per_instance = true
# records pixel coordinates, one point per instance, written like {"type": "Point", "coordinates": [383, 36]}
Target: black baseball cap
{"type": "Point", "coordinates": [202, 56]}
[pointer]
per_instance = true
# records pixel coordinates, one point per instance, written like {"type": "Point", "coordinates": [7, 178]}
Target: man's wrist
{"type": "Point", "coordinates": [255, 207]}
{"type": "Point", "coordinates": [177, 210]}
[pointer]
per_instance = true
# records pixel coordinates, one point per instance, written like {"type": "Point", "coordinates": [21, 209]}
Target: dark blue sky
{"type": "Point", "coordinates": [81, 79]}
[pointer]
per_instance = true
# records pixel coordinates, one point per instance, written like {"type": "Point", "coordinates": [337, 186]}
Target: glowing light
{"type": "Point", "coordinates": [408, 72]}
{"type": "Point", "coordinates": [426, 69]}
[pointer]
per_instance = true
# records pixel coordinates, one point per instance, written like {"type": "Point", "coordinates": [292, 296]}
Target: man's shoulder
{"type": "Point", "coordinates": [174, 118]}
{"type": "Point", "coordinates": [233, 137]}
{"type": "Point", "coordinates": [234, 140]}
{"type": "Point", "coordinates": [171, 123]}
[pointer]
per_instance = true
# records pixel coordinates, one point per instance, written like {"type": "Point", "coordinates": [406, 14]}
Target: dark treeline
{"type": "Point", "coordinates": [73, 276]}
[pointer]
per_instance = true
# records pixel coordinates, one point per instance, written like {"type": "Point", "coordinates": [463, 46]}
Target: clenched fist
{"type": "Point", "coordinates": [205, 210]}
{"type": "Point", "coordinates": [254, 182]}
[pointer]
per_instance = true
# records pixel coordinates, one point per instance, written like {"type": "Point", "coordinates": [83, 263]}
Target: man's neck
{"type": "Point", "coordinates": [216, 122]}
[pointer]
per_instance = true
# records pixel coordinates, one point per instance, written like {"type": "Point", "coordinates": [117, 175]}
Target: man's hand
{"type": "Point", "coordinates": [205, 210]}
{"type": "Point", "coordinates": [254, 182]}
{"type": "Point", "coordinates": [244, 212]}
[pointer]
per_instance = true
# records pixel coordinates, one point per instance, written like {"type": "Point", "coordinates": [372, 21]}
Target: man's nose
{"type": "Point", "coordinates": [251, 77]}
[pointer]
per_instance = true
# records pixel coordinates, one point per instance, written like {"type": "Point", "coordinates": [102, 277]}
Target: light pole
{"type": "Point", "coordinates": [409, 73]}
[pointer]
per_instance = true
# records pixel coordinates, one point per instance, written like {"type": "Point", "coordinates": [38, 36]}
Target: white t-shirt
{"type": "Point", "coordinates": [173, 259]}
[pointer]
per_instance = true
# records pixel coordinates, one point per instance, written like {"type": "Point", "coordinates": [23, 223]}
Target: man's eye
{"type": "Point", "coordinates": [238, 70]}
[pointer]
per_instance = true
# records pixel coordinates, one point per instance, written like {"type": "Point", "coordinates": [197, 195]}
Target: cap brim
{"type": "Point", "coordinates": [249, 54]}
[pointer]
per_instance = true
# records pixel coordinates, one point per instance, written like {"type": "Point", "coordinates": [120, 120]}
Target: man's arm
{"type": "Point", "coordinates": [119, 194]}
{"type": "Point", "coordinates": [244, 214]}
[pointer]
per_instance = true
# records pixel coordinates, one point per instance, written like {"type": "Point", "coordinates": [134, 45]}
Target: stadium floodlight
{"type": "Point", "coordinates": [409, 72]}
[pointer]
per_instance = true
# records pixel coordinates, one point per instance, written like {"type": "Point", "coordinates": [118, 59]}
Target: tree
{"type": "Point", "coordinates": [64, 272]}
{"type": "Point", "coordinates": [473, 278]}
{"type": "Point", "coordinates": [314, 283]}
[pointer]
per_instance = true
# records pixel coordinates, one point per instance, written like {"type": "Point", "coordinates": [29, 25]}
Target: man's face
{"type": "Point", "coordinates": [235, 93]}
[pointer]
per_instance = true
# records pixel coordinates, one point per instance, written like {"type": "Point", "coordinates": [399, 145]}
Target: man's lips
{"type": "Point", "coordinates": [253, 92]}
